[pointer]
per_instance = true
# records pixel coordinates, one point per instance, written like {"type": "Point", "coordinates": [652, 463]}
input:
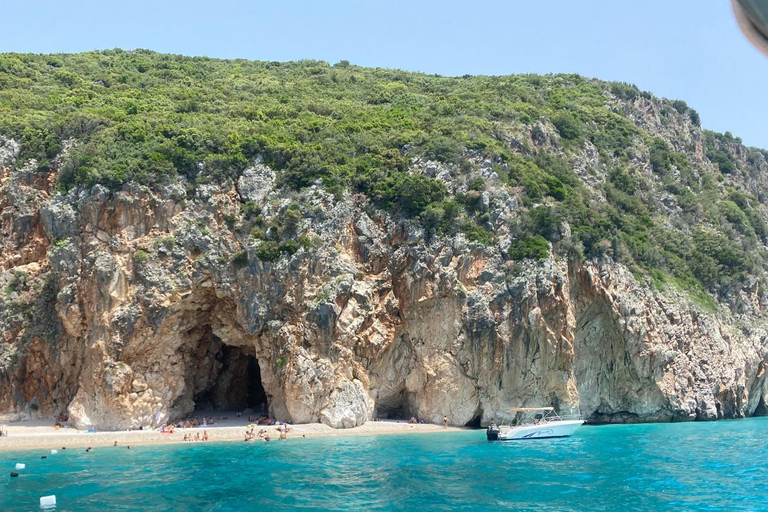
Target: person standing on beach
{"type": "Point", "coordinates": [445, 421]}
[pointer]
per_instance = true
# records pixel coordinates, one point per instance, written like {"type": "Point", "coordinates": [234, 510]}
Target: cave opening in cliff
{"type": "Point", "coordinates": [393, 407]}
{"type": "Point", "coordinates": [256, 395]}
{"type": "Point", "coordinates": [226, 378]}
{"type": "Point", "coordinates": [474, 422]}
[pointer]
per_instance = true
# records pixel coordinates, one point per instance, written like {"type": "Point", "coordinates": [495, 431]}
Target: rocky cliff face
{"type": "Point", "coordinates": [134, 307]}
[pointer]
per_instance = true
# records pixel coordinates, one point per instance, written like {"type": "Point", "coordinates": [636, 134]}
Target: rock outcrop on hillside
{"type": "Point", "coordinates": [134, 307]}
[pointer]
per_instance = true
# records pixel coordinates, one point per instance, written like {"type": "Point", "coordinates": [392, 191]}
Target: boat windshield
{"type": "Point", "coordinates": [538, 415]}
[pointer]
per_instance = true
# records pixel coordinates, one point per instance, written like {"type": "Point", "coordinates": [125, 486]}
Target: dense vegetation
{"type": "Point", "coordinates": [151, 118]}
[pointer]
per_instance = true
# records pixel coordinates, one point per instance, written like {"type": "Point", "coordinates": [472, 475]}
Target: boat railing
{"type": "Point", "coordinates": [564, 417]}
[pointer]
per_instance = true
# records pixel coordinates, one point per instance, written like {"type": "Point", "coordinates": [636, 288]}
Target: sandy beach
{"type": "Point", "coordinates": [40, 434]}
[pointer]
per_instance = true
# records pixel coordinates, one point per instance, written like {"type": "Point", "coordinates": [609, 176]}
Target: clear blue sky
{"type": "Point", "coordinates": [680, 49]}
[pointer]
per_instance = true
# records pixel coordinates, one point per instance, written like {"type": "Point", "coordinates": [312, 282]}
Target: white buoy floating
{"type": "Point", "coordinates": [19, 465]}
{"type": "Point", "coordinates": [54, 452]}
{"type": "Point", "coordinates": [48, 501]}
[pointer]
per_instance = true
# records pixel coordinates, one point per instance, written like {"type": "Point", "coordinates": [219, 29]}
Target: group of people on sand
{"type": "Point", "coordinates": [250, 436]}
{"type": "Point", "coordinates": [418, 421]}
{"type": "Point", "coordinates": [195, 423]}
{"type": "Point", "coordinates": [60, 419]}
{"type": "Point", "coordinates": [263, 419]}
{"type": "Point", "coordinates": [263, 434]}
{"type": "Point", "coordinates": [188, 423]}
{"type": "Point", "coordinates": [197, 437]}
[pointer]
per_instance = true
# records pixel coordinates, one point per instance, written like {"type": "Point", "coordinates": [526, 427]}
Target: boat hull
{"type": "Point", "coordinates": [564, 428]}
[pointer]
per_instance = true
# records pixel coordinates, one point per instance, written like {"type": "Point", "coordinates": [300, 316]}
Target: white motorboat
{"type": "Point", "coordinates": [534, 423]}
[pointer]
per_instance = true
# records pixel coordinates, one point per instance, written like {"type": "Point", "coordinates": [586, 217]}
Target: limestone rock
{"type": "Point", "coordinates": [133, 307]}
{"type": "Point", "coordinates": [256, 183]}
{"type": "Point", "coordinates": [348, 406]}
{"type": "Point", "coordinates": [9, 151]}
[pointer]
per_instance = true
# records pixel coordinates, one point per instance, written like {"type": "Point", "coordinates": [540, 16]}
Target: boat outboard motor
{"type": "Point", "coordinates": [492, 433]}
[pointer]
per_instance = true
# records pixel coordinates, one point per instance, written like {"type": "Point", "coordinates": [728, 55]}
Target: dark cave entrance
{"type": "Point", "coordinates": [474, 422]}
{"type": "Point", "coordinates": [256, 395]}
{"type": "Point", "coordinates": [761, 409]}
{"type": "Point", "coordinates": [393, 407]}
{"type": "Point", "coordinates": [225, 377]}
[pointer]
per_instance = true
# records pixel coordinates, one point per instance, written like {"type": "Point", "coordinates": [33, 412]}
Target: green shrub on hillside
{"type": "Point", "coordinates": [567, 125]}
{"type": "Point", "coordinates": [268, 251]}
{"type": "Point", "coordinates": [476, 232]}
{"type": "Point", "coordinates": [140, 257]}
{"type": "Point", "coordinates": [533, 247]}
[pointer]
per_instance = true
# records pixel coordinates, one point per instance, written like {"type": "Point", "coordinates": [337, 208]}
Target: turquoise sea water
{"type": "Point", "coordinates": [690, 466]}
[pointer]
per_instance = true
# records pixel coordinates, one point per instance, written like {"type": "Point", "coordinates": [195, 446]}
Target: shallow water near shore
{"type": "Point", "coordinates": [684, 466]}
